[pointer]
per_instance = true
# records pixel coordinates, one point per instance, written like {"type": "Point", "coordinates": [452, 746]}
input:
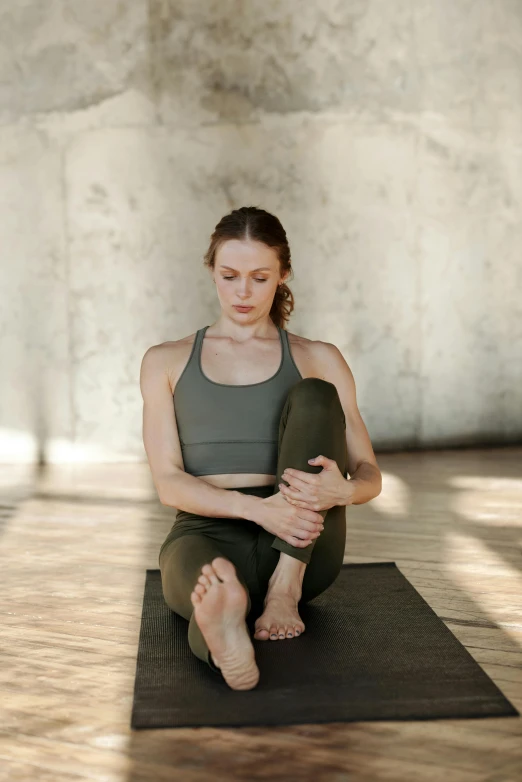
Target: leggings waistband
{"type": "Point", "coordinates": [262, 490]}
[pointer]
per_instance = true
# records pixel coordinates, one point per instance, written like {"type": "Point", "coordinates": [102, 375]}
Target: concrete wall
{"type": "Point", "coordinates": [387, 137]}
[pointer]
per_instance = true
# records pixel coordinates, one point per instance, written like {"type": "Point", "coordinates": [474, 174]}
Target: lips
{"type": "Point", "coordinates": [239, 307]}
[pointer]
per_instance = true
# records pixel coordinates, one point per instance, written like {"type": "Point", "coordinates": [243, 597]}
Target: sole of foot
{"type": "Point", "coordinates": [220, 603]}
{"type": "Point", "coordinates": [279, 620]}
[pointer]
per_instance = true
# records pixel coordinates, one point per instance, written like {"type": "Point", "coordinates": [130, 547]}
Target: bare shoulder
{"type": "Point", "coordinates": [325, 361]}
{"type": "Point", "coordinates": [316, 358]}
{"type": "Point", "coordinates": [169, 357]}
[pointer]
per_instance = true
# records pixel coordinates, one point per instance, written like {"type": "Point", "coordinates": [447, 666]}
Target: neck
{"type": "Point", "coordinates": [262, 329]}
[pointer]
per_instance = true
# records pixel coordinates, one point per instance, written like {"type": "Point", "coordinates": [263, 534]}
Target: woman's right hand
{"type": "Point", "coordinates": [298, 526]}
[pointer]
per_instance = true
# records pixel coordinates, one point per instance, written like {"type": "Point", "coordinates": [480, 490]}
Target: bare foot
{"type": "Point", "coordinates": [280, 619]}
{"type": "Point", "coordinates": [220, 603]}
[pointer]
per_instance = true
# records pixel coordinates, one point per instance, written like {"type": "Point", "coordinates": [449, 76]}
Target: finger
{"type": "Point", "coordinates": [297, 496]}
{"type": "Point", "coordinates": [297, 541]}
{"type": "Point", "coordinates": [304, 537]}
{"type": "Point", "coordinates": [302, 534]}
{"type": "Point", "coordinates": [301, 482]}
{"type": "Point", "coordinates": [307, 508]}
{"type": "Point", "coordinates": [309, 515]}
{"type": "Point", "coordinates": [298, 530]}
{"type": "Point", "coordinates": [309, 526]}
{"type": "Point", "coordinates": [315, 530]}
{"type": "Point", "coordinates": [317, 523]}
{"type": "Point", "coordinates": [307, 537]}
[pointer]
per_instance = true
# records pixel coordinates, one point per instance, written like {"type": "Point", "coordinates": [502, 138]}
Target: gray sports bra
{"type": "Point", "coordinates": [231, 428]}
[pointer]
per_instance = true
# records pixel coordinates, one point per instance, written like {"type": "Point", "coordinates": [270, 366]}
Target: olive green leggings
{"type": "Point", "coordinates": [312, 423]}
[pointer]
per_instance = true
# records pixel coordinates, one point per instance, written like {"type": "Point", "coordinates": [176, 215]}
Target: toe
{"type": "Point", "coordinates": [273, 632]}
{"type": "Point", "coordinates": [224, 568]}
{"type": "Point", "coordinates": [208, 571]}
{"type": "Point", "coordinates": [204, 580]}
{"type": "Point", "coordinates": [281, 632]}
{"type": "Point", "coordinates": [290, 633]}
{"type": "Point", "coordinates": [200, 589]}
{"type": "Point", "coordinates": [195, 598]}
{"type": "Point", "coordinates": [261, 634]}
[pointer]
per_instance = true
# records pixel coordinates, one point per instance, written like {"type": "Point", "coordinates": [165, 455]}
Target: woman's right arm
{"type": "Point", "coordinates": [179, 489]}
{"type": "Point", "coordinates": [175, 487]}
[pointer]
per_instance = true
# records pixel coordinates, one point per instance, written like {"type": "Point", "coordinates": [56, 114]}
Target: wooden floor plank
{"type": "Point", "coordinates": [75, 545]}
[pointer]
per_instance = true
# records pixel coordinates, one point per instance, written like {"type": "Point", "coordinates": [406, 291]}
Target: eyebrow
{"type": "Point", "coordinates": [261, 268]}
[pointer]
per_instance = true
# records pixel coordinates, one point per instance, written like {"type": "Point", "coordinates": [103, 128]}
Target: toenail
{"type": "Point", "coordinates": [297, 632]}
{"type": "Point", "coordinates": [273, 635]}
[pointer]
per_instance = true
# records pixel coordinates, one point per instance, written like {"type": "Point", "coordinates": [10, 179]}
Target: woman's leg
{"type": "Point", "coordinates": [181, 565]}
{"type": "Point", "coordinates": [312, 423]}
{"type": "Point", "coordinates": [192, 544]}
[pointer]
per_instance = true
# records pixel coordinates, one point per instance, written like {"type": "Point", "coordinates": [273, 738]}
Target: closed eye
{"type": "Point", "coordinates": [257, 279]}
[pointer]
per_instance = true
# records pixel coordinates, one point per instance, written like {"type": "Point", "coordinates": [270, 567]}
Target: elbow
{"type": "Point", "coordinates": [166, 488]}
{"type": "Point", "coordinates": [166, 498]}
{"type": "Point", "coordinates": [375, 481]}
{"type": "Point", "coordinates": [161, 495]}
{"type": "Point", "coordinates": [378, 485]}
{"type": "Point", "coordinates": [168, 501]}
{"type": "Point", "coordinates": [166, 491]}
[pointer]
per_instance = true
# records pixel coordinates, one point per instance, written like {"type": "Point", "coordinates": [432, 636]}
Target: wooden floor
{"type": "Point", "coordinates": [76, 541]}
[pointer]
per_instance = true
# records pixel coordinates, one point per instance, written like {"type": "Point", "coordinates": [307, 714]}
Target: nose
{"type": "Point", "coordinates": [244, 292]}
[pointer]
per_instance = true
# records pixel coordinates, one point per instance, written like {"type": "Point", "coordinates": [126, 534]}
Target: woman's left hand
{"type": "Point", "coordinates": [316, 491]}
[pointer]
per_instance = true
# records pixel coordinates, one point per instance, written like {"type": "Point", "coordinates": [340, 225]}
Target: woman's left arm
{"type": "Point", "coordinates": [363, 485]}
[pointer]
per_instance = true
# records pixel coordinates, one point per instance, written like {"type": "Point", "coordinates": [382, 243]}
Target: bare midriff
{"type": "Point", "coordinates": [239, 480]}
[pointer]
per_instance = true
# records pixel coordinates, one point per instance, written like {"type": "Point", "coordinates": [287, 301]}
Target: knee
{"type": "Point", "coordinates": [315, 391]}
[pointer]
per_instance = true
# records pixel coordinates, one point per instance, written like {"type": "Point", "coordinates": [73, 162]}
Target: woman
{"type": "Point", "coordinates": [251, 436]}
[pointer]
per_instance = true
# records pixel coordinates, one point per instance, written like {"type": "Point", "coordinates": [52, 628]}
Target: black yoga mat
{"type": "Point", "coordinates": [373, 649]}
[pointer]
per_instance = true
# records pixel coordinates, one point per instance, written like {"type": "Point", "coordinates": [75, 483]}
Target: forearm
{"type": "Point", "coordinates": [364, 484]}
{"type": "Point", "coordinates": [194, 495]}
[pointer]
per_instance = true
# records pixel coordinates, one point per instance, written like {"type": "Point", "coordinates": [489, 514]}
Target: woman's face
{"type": "Point", "coordinates": [247, 273]}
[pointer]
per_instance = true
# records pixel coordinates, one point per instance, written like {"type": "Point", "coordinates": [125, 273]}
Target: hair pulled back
{"type": "Point", "coordinates": [251, 222]}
